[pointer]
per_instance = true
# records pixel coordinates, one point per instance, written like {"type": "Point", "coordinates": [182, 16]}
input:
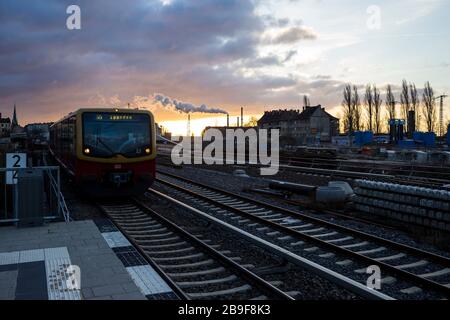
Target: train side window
{"type": "Point", "coordinates": [65, 136]}
{"type": "Point", "coordinates": [72, 138]}
{"type": "Point", "coordinates": [59, 138]}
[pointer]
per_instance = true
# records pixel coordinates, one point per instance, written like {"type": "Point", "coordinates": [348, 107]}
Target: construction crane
{"type": "Point", "coordinates": [441, 114]}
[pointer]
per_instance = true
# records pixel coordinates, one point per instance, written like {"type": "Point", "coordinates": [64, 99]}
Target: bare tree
{"type": "Point", "coordinates": [377, 101]}
{"type": "Point", "coordinates": [368, 101]}
{"type": "Point", "coordinates": [405, 99]}
{"type": "Point", "coordinates": [252, 122]}
{"type": "Point", "coordinates": [306, 102]}
{"type": "Point", "coordinates": [429, 107]}
{"type": "Point", "coordinates": [415, 102]}
{"type": "Point", "coordinates": [390, 102]}
{"type": "Point", "coordinates": [347, 105]}
{"type": "Point", "coordinates": [356, 101]}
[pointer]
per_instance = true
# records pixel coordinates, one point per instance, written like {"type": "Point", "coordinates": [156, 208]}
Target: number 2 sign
{"type": "Point", "coordinates": [14, 160]}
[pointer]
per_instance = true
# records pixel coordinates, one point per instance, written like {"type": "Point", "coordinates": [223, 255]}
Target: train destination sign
{"type": "Point", "coordinates": [113, 117]}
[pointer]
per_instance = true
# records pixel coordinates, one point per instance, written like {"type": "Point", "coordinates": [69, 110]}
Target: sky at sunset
{"type": "Point", "coordinates": [214, 54]}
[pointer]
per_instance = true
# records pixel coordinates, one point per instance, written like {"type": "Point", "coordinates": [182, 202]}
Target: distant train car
{"type": "Point", "coordinates": [108, 152]}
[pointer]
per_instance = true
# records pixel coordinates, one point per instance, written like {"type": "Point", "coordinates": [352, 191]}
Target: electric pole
{"type": "Point", "coordinates": [441, 114]}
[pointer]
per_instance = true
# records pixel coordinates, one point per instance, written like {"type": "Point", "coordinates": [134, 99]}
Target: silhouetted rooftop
{"type": "Point", "coordinates": [291, 115]}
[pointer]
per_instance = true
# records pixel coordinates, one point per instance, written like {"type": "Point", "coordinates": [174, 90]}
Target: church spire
{"type": "Point", "coordinates": [14, 120]}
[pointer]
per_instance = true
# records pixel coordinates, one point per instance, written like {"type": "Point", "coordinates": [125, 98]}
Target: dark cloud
{"type": "Point", "coordinates": [293, 35]}
{"type": "Point", "coordinates": [186, 50]}
{"type": "Point", "coordinates": [259, 62]}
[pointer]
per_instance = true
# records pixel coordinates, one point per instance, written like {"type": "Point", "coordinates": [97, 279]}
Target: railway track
{"type": "Point", "coordinates": [193, 268]}
{"type": "Point", "coordinates": [408, 272]}
{"type": "Point", "coordinates": [371, 166]}
{"type": "Point", "coordinates": [420, 175]}
{"type": "Point", "coordinates": [352, 171]}
{"type": "Point", "coordinates": [306, 205]}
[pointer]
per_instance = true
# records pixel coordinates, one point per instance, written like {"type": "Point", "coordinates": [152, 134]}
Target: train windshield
{"type": "Point", "coordinates": [107, 134]}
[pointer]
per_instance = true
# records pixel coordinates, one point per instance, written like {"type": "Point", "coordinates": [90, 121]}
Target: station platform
{"type": "Point", "coordinates": [82, 260]}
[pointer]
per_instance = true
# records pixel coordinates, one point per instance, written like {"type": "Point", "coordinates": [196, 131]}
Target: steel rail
{"type": "Point", "coordinates": [262, 284]}
{"type": "Point", "coordinates": [404, 274]}
{"type": "Point", "coordinates": [419, 180]}
{"type": "Point", "coordinates": [296, 214]}
{"type": "Point", "coordinates": [178, 291]}
{"type": "Point", "coordinates": [295, 259]}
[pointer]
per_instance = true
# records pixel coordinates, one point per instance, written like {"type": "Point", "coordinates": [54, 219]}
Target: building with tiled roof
{"type": "Point", "coordinates": [5, 126]}
{"type": "Point", "coordinates": [310, 124]}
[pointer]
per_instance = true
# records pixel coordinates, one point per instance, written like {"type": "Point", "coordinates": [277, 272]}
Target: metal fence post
{"type": "Point", "coordinates": [16, 201]}
{"type": "Point", "coordinates": [6, 204]}
{"type": "Point", "coordinates": [59, 193]}
{"type": "Point", "coordinates": [53, 189]}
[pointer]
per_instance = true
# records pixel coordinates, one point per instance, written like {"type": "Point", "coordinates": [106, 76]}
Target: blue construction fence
{"type": "Point", "coordinates": [423, 139]}
{"type": "Point", "coordinates": [448, 135]}
{"type": "Point", "coordinates": [363, 137]}
{"type": "Point", "coordinates": [426, 139]}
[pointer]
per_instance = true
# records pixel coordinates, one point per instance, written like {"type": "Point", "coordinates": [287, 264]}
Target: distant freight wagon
{"type": "Point", "coordinates": [108, 152]}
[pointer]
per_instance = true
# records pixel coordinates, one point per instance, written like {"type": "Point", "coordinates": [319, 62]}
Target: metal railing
{"type": "Point", "coordinates": [53, 206]}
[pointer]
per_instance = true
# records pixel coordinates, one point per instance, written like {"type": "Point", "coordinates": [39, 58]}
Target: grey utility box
{"type": "Point", "coordinates": [30, 198]}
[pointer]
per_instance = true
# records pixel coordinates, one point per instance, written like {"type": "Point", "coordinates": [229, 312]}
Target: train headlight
{"type": "Point", "coordinates": [87, 150]}
{"type": "Point", "coordinates": [147, 151]}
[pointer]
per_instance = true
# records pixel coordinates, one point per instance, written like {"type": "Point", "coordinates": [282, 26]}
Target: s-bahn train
{"type": "Point", "coordinates": [108, 152]}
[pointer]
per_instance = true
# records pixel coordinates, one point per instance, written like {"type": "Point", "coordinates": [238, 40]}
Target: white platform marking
{"type": "Point", "coordinates": [56, 253]}
{"type": "Point", "coordinates": [31, 256]}
{"type": "Point", "coordinates": [116, 239]}
{"type": "Point", "coordinates": [148, 281]}
{"type": "Point", "coordinates": [145, 277]}
{"type": "Point", "coordinates": [9, 258]}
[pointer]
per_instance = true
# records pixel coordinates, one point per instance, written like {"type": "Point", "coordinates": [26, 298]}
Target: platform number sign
{"type": "Point", "coordinates": [14, 160]}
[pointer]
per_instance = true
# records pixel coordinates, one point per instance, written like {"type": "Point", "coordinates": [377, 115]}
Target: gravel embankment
{"type": "Point", "coordinates": [228, 181]}
{"type": "Point", "coordinates": [308, 285]}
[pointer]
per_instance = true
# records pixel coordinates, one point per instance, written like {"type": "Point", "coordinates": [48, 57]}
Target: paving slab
{"type": "Point", "coordinates": [73, 261]}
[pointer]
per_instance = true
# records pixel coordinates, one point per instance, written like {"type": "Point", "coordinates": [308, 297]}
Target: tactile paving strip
{"type": "Point", "coordinates": [61, 283]}
{"type": "Point", "coordinates": [148, 280]}
{"type": "Point", "coordinates": [130, 257]}
{"type": "Point", "coordinates": [144, 276]}
{"type": "Point", "coordinates": [60, 279]}
{"type": "Point", "coordinates": [105, 225]}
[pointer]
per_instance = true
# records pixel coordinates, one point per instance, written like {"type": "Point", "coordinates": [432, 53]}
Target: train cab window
{"type": "Point", "coordinates": [108, 134]}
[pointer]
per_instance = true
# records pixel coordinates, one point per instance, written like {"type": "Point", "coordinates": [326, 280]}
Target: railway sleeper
{"type": "Point", "coordinates": [221, 293]}
{"type": "Point", "coordinates": [196, 273]}
{"type": "Point", "coordinates": [188, 284]}
{"type": "Point", "coordinates": [180, 258]}
{"type": "Point", "coordinates": [171, 252]}
{"type": "Point", "coordinates": [207, 262]}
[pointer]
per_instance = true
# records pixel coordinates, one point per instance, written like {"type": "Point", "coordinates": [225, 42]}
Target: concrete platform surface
{"type": "Point", "coordinates": [73, 261]}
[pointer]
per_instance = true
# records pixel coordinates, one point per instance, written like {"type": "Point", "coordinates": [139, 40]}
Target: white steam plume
{"type": "Point", "coordinates": [156, 100]}
{"type": "Point", "coordinates": [184, 107]}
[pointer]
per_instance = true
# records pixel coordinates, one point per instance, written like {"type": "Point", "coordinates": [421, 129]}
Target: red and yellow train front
{"type": "Point", "coordinates": [116, 152]}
